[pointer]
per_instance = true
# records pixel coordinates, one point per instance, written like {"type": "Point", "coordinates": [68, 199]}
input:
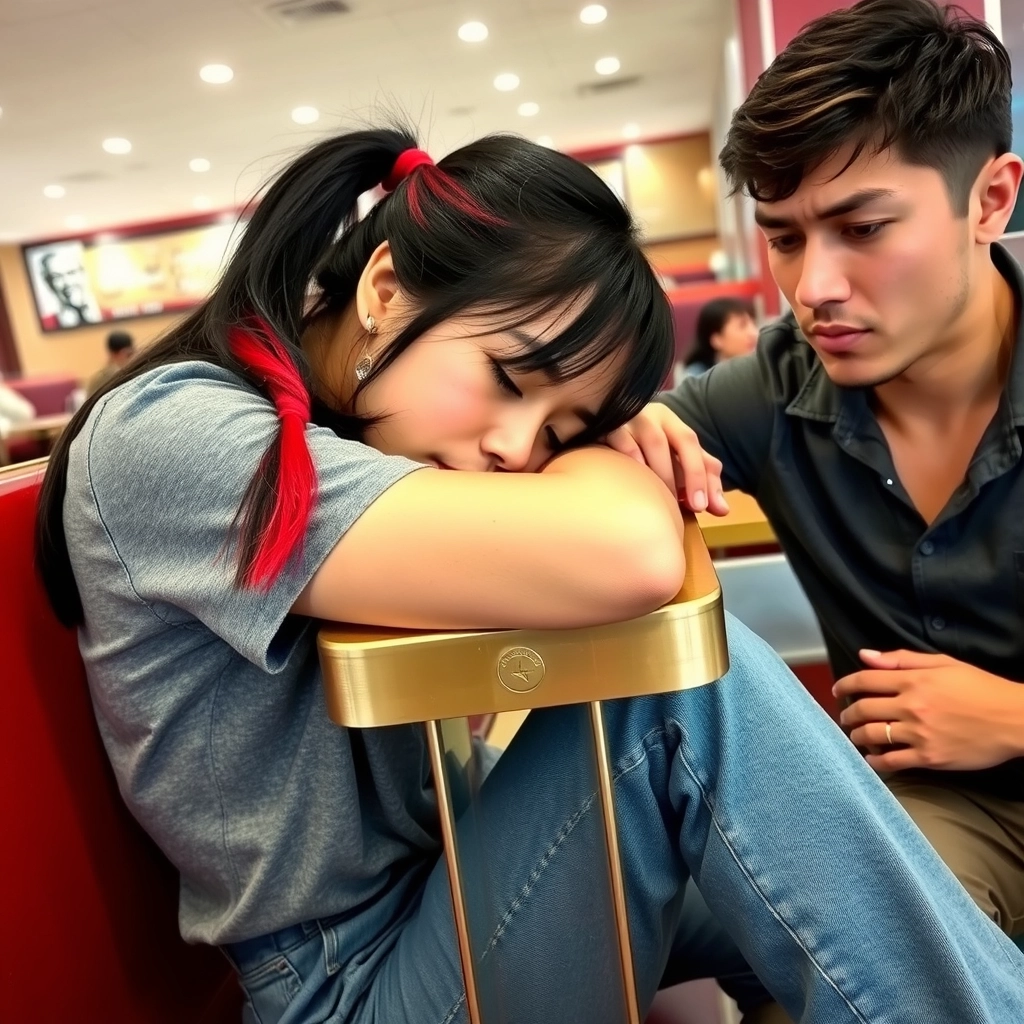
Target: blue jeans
{"type": "Point", "coordinates": [825, 886]}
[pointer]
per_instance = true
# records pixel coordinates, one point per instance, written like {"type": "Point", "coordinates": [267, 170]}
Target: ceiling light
{"type": "Point", "coordinates": [117, 145]}
{"type": "Point", "coordinates": [202, 203]}
{"type": "Point", "coordinates": [593, 14]}
{"type": "Point", "coordinates": [546, 140]}
{"type": "Point", "coordinates": [506, 82]}
{"type": "Point", "coordinates": [54, 191]}
{"type": "Point", "coordinates": [528, 109]}
{"type": "Point", "coordinates": [305, 115]}
{"type": "Point", "coordinates": [631, 131]}
{"type": "Point", "coordinates": [607, 66]}
{"type": "Point", "coordinates": [216, 74]}
{"type": "Point", "coordinates": [76, 222]}
{"type": "Point", "coordinates": [200, 165]}
{"type": "Point", "coordinates": [473, 32]}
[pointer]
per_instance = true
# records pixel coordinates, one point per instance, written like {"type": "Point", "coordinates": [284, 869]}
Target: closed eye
{"type": "Point", "coordinates": [503, 380]}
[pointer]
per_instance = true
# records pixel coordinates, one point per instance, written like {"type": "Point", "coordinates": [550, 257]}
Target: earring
{"type": "Point", "coordinates": [365, 364]}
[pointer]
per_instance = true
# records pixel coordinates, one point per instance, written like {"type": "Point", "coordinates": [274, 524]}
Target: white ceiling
{"type": "Point", "coordinates": [73, 72]}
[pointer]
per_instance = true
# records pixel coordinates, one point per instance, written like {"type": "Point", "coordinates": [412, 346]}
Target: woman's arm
{"type": "Point", "coordinates": [593, 538]}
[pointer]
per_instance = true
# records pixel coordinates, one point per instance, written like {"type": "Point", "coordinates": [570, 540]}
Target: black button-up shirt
{"type": "Point", "coordinates": [878, 576]}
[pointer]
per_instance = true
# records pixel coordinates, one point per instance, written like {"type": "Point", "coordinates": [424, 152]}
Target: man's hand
{"type": "Point", "coordinates": [658, 438]}
{"type": "Point", "coordinates": [941, 713]}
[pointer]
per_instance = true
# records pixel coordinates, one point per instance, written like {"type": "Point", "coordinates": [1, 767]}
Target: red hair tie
{"type": "Point", "coordinates": [406, 163]}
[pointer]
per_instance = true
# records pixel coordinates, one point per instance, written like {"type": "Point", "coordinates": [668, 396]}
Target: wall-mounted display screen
{"type": "Point", "coordinates": [103, 278]}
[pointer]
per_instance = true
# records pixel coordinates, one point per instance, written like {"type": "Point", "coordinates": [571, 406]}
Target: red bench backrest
{"type": "Point", "coordinates": [89, 927]}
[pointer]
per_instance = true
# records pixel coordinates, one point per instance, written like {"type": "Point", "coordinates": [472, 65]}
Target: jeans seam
{"type": "Point", "coordinates": [514, 907]}
{"type": "Point", "coordinates": [757, 888]}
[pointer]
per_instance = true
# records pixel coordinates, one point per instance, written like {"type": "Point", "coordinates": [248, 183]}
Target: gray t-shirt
{"type": "Point", "coordinates": [208, 697]}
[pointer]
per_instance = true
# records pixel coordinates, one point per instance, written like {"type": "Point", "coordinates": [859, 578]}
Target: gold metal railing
{"type": "Point", "coordinates": [378, 677]}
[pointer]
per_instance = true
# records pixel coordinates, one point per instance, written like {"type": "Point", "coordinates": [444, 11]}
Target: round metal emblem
{"type": "Point", "coordinates": [520, 669]}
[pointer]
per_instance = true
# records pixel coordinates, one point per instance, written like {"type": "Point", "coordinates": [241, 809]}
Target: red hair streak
{"type": "Point", "coordinates": [263, 353]}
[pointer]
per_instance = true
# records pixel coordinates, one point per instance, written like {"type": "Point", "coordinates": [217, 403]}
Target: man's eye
{"type": "Point", "coordinates": [503, 380]}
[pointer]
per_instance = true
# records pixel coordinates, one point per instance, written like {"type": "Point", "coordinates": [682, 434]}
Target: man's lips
{"type": "Point", "coordinates": [836, 338]}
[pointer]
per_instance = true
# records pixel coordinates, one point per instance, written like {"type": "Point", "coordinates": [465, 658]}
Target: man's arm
{"type": "Point", "coordinates": [732, 412]}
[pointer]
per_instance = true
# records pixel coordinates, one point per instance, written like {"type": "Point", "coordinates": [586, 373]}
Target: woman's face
{"type": "Point", "coordinates": [447, 401]}
{"type": "Point", "coordinates": [737, 337]}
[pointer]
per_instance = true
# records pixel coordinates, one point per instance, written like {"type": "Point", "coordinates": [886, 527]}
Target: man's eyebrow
{"type": "Point", "coordinates": [848, 205]}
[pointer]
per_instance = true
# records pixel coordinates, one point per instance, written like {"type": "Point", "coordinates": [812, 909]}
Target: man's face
{"type": "Point", "coordinates": [66, 276]}
{"type": "Point", "coordinates": [874, 262]}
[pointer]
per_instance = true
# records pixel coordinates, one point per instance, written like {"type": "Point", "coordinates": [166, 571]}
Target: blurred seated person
{"type": "Point", "coordinates": [120, 348]}
{"type": "Point", "coordinates": [13, 409]}
{"type": "Point", "coordinates": [725, 329]}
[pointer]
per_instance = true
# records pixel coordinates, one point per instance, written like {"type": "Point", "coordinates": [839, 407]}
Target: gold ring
{"type": "Point", "coordinates": [888, 733]}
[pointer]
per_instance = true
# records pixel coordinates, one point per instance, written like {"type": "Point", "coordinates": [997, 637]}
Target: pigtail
{"type": "Point", "coordinates": [272, 526]}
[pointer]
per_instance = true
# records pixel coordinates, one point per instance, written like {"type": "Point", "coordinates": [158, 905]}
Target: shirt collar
{"type": "Point", "coordinates": [819, 399]}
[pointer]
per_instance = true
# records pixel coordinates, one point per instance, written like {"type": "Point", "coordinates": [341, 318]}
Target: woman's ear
{"type": "Point", "coordinates": [377, 292]}
{"type": "Point", "coordinates": [716, 341]}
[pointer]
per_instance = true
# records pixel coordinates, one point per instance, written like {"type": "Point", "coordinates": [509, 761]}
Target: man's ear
{"type": "Point", "coordinates": [995, 192]}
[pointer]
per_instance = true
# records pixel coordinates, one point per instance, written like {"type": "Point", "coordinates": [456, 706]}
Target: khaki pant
{"type": "Point", "coordinates": [981, 839]}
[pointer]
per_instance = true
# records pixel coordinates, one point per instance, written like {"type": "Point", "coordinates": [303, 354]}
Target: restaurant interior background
{"type": "Point", "coordinates": [119, 157]}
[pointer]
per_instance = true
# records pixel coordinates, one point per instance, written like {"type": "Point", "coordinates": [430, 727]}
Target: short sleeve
{"type": "Point", "coordinates": [154, 484]}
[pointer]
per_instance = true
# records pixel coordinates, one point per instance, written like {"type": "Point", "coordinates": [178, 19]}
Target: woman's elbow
{"type": "Point", "coordinates": [651, 565]}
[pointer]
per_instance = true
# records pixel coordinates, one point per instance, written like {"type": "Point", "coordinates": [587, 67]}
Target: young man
{"type": "Point", "coordinates": [879, 423]}
{"type": "Point", "coordinates": [120, 349]}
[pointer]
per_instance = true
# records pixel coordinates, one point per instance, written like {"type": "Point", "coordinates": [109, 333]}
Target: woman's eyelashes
{"type": "Point", "coordinates": [508, 385]}
{"type": "Point", "coordinates": [503, 380]}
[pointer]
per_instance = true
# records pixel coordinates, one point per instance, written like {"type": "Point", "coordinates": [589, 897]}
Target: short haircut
{"type": "Point", "coordinates": [118, 341]}
{"type": "Point", "coordinates": [712, 317]}
{"type": "Point", "coordinates": [927, 81]}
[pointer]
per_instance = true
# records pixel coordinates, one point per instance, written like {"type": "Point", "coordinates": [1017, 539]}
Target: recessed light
{"type": "Point", "coordinates": [593, 14]}
{"type": "Point", "coordinates": [54, 191]}
{"type": "Point", "coordinates": [546, 140]}
{"type": "Point", "coordinates": [473, 32]}
{"type": "Point", "coordinates": [117, 145]}
{"type": "Point", "coordinates": [631, 131]}
{"type": "Point", "coordinates": [305, 115]}
{"type": "Point", "coordinates": [528, 109]}
{"type": "Point", "coordinates": [76, 222]}
{"type": "Point", "coordinates": [607, 66]}
{"type": "Point", "coordinates": [216, 74]}
{"type": "Point", "coordinates": [202, 203]}
{"type": "Point", "coordinates": [506, 82]}
{"type": "Point", "coordinates": [200, 165]}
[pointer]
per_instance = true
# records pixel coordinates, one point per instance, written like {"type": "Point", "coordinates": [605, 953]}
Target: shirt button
{"type": "Point", "coordinates": [927, 548]}
{"type": "Point", "coordinates": [938, 623]}
{"type": "Point", "coordinates": [888, 481]}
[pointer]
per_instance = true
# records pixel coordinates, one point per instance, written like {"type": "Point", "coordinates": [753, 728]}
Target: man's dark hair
{"type": "Point", "coordinates": [118, 341]}
{"type": "Point", "coordinates": [930, 82]}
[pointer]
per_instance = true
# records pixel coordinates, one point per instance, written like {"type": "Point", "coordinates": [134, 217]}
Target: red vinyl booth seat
{"type": "Point", "coordinates": [89, 928]}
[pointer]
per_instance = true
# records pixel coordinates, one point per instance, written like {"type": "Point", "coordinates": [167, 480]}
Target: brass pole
{"type": "Point", "coordinates": [444, 804]}
{"type": "Point", "coordinates": [604, 782]}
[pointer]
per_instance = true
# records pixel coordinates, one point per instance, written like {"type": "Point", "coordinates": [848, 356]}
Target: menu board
{"type": "Point", "coordinates": [104, 278]}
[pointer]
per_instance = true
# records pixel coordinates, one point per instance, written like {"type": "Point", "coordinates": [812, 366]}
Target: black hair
{"type": "Point", "coordinates": [118, 341]}
{"type": "Point", "coordinates": [711, 319]}
{"type": "Point", "coordinates": [919, 77]}
{"type": "Point", "coordinates": [502, 225]}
